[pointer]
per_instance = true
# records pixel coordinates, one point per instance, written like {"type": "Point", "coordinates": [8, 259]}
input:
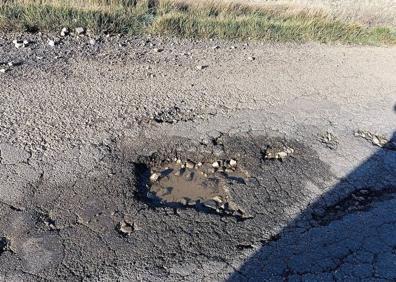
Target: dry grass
{"type": "Point", "coordinates": [366, 12]}
{"type": "Point", "coordinates": [283, 20]}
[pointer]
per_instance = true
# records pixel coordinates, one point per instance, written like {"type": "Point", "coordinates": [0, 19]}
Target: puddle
{"type": "Point", "coordinates": [204, 186]}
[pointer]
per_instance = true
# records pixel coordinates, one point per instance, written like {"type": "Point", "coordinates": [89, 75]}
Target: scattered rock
{"type": "Point", "coordinates": [51, 43]}
{"type": "Point", "coordinates": [189, 165]}
{"type": "Point", "coordinates": [233, 163]}
{"type": "Point", "coordinates": [216, 164]}
{"type": "Point", "coordinates": [13, 64]}
{"type": "Point", "coordinates": [126, 228]}
{"type": "Point", "coordinates": [277, 152]}
{"type": "Point", "coordinates": [201, 67]}
{"type": "Point", "coordinates": [154, 177]}
{"type": "Point", "coordinates": [80, 30]}
{"type": "Point", "coordinates": [64, 32]}
{"type": "Point", "coordinates": [3, 70]}
{"type": "Point", "coordinates": [92, 41]}
{"type": "Point", "coordinates": [20, 43]}
{"type": "Point", "coordinates": [375, 139]}
{"type": "Point", "coordinates": [251, 58]}
{"type": "Point", "coordinates": [329, 139]}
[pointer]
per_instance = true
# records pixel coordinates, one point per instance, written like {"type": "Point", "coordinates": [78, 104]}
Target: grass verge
{"type": "Point", "coordinates": [175, 18]}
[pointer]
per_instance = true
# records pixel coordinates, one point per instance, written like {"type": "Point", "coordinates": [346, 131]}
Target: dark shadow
{"type": "Point", "coordinates": [349, 234]}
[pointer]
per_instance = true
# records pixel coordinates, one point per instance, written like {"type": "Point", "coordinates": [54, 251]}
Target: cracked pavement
{"type": "Point", "coordinates": [76, 120]}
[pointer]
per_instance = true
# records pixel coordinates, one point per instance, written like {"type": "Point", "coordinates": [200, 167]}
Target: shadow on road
{"type": "Point", "coordinates": [350, 234]}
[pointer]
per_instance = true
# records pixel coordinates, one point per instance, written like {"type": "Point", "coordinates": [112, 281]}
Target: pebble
{"type": "Point", "coordinates": [233, 163]}
{"type": "Point", "coordinates": [201, 67]}
{"type": "Point", "coordinates": [92, 41]}
{"type": "Point", "coordinates": [3, 70]}
{"type": "Point", "coordinates": [216, 165]}
{"type": "Point", "coordinates": [210, 204]}
{"type": "Point", "coordinates": [80, 30]}
{"type": "Point", "coordinates": [251, 58]}
{"type": "Point", "coordinates": [154, 177]}
{"type": "Point", "coordinates": [216, 47]}
{"type": "Point", "coordinates": [126, 228]}
{"type": "Point", "coordinates": [64, 32]}
{"type": "Point", "coordinates": [51, 43]}
{"type": "Point", "coordinates": [157, 50]}
{"type": "Point", "coordinates": [19, 43]}
{"type": "Point", "coordinates": [190, 165]}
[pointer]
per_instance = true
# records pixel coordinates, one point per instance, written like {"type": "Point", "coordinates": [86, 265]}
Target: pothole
{"type": "Point", "coordinates": [360, 200]}
{"type": "Point", "coordinates": [200, 185]}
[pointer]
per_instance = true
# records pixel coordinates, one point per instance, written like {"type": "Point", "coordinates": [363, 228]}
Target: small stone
{"type": "Point", "coordinates": [232, 47]}
{"type": "Point", "coordinates": [25, 42]}
{"type": "Point", "coordinates": [216, 47]}
{"type": "Point", "coordinates": [125, 228]}
{"type": "Point", "coordinates": [3, 70]}
{"type": "Point", "coordinates": [233, 163]}
{"type": "Point", "coordinates": [92, 41]}
{"type": "Point", "coordinates": [211, 204]}
{"type": "Point", "coordinates": [190, 165]}
{"type": "Point", "coordinates": [215, 165]}
{"type": "Point", "coordinates": [191, 203]}
{"type": "Point", "coordinates": [201, 67]}
{"type": "Point", "coordinates": [183, 202]}
{"type": "Point", "coordinates": [376, 141]}
{"type": "Point", "coordinates": [64, 32]}
{"type": "Point", "coordinates": [251, 58]}
{"type": "Point", "coordinates": [154, 177]}
{"type": "Point", "coordinates": [217, 199]}
{"type": "Point", "coordinates": [18, 43]}
{"type": "Point", "coordinates": [80, 30]}
{"type": "Point", "coordinates": [158, 50]}
{"type": "Point", "coordinates": [51, 43]}
{"type": "Point", "coordinates": [281, 155]}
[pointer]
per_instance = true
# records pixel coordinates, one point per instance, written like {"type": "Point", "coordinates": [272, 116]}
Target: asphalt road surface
{"type": "Point", "coordinates": [81, 125]}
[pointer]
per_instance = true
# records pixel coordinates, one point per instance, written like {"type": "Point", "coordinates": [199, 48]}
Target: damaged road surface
{"type": "Point", "coordinates": [118, 163]}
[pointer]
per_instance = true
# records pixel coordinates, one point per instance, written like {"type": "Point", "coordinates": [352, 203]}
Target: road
{"type": "Point", "coordinates": [79, 121]}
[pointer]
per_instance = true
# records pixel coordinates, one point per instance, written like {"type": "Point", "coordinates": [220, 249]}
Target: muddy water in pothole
{"type": "Point", "coordinates": [203, 186]}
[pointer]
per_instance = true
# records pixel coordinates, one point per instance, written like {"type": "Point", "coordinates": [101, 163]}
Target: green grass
{"type": "Point", "coordinates": [206, 20]}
